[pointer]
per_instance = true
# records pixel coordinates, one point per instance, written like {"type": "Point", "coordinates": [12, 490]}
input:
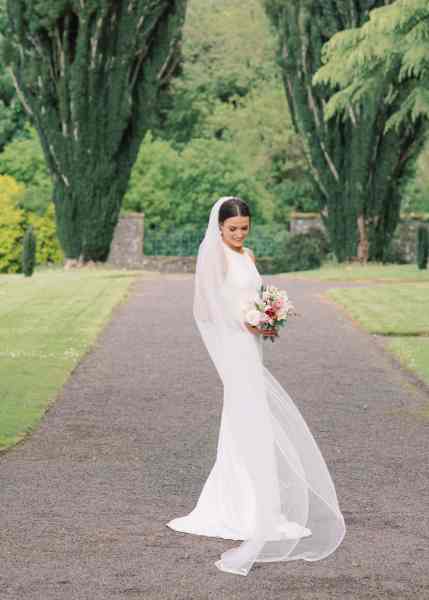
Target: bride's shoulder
{"type": "Point", "coordinates": [250, 251]}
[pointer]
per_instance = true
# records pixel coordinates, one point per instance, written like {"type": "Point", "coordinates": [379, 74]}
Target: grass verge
{"type": "Point", "coordinates": [47, 323]}
{"type": "Point", "coordinates": [395, 304]}
{"type": "Point", "coordinates": [398, 311]}
{"type": "Point", "coordinates": [370, 272]}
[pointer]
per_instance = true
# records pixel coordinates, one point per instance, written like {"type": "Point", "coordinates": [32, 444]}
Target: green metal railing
{"type": "Point", "coordinates": [263, 240]}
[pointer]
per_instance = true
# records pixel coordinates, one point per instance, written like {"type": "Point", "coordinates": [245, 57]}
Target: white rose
{"type": "Point", "coordinates": [253, 317]}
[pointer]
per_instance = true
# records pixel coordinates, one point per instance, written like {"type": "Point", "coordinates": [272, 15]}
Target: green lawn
{"type": "Point", "coordinates": [371, 272]}
{"type": "Point", "coordinates": [47, 322]}
{"type": "Point", "coordinates": [391, 309]}
{"type": "Point", "coordinates": [395, 303]}
{"type": "Point", "coordinates": [399, 311]}
{"type": "Point", "coordinates": [413, 352]}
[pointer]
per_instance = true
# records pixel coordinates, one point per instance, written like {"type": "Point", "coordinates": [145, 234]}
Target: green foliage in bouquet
{"type": "Point", "coordinates": [422, 247]}
{"type": "Point", "coordinates": [29, 252]}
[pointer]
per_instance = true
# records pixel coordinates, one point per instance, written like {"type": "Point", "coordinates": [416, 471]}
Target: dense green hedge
{"type": "Point", "coordinates": [301, 252]}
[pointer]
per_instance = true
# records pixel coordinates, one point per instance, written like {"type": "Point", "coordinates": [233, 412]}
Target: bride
{"type": "Point", "coordinates": [269, 485]}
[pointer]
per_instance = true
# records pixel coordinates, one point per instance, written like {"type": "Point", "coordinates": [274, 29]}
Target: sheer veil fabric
{"type": "Point", "coordinates": [269, 485]}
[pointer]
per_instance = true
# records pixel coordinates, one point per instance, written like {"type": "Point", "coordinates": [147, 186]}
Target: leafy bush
{"type": "Point", "coordinates": [395, 254]}
{"type": "Point", "coordinates": [29, 252]}
{"type": "Point", "coordinates": [300, 252]}
{"type": "Point", "coordinates": [267, 239]}
{"type": "Point", "coordinates": [13, 223]}
{"type": "Point", "coordinates": [293, 195]}
{"type": "Point", "coordinates": [177, 189]}
{"type": "Point", "coordinates": [415, 183]}
{"type": "Point", "coordinates": [48, 247]}
{"type": "Point", "coordinates": [320, 237]}
{"type": "Point", "coordinates": [422, 247]}
{"type": "Point", "coordinates": [265, 265]}
{"type": "Point", "coordinates": [23, 160]}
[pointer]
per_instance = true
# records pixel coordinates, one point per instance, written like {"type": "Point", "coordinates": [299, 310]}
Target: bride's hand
{"type": "Point", "coordinates": [266, 332]}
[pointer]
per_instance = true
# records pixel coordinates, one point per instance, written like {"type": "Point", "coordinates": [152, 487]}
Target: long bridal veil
{"type": "Point", "coordinates": [272, 481]}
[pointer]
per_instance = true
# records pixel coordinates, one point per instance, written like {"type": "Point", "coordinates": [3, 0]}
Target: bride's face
{"type": "Point", "coordinates": [235, 230]}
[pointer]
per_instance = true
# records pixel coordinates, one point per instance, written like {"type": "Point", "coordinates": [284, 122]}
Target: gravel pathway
{"type": "Point", "coordinates": [132, 437]}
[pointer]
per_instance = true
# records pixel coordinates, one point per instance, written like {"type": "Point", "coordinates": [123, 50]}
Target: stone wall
{"type": "Point", "coordinates": [170, 264]}
{"type": "Point", "coordinates": [126, 250]}
{"type": "Point", "coordinates": [302, 222]}
{"type": "Point", "coordinates": [127, 245]}
{"type": "Point", "coordinates": [405, 236]}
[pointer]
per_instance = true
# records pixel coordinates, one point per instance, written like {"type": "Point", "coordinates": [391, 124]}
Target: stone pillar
{"type": "Point", "coordinates": [126, 250]}
{"type": "Point", "coordinates": [406, 236]}
{"type": "Point", "coordinates": [302, 222]}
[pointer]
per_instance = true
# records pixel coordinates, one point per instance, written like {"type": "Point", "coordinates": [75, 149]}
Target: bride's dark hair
{"type": "Point", "coordinates": [233, 207]}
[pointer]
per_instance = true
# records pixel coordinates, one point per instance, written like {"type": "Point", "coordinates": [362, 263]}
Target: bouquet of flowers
{"type": "Point", "coordinates": [270, 309]}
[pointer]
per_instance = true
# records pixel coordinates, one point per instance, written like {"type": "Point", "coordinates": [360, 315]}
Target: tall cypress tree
{"type": "Point", "coordinates": [90, 75]}
{"type": "Point", "coordinates": [354, 162]}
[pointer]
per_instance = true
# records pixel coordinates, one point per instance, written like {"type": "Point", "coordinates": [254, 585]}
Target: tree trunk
{"type": "Point", "coordinates": [90, 76]}
{"type": "Point", "coordinates": [354, 164]}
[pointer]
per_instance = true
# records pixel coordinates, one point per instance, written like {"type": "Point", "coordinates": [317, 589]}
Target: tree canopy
{"type": "Point", "coordinates": [356, 164]}
{"type": "Point", "coordinates": [90, 76]}
{"type": "Point", "coordinates": [392, 46]}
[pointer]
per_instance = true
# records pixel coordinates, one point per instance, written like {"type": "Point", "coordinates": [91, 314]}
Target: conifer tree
{"type": "Point", "coordinates": [422, 247]}
{"type": "Point", "coordinates": [355, 162]}
{"type": "Point", "coordinates": [28, 252]}
{"type": "Point", "coordinates": [90, 74]}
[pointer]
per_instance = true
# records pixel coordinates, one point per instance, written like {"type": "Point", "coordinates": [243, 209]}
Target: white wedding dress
{"type": "Point", "coordinates": [269, 485]}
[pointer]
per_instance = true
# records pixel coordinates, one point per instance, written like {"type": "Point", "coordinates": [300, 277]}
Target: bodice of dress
{"type": "Point", "coordinates": [242, 281]}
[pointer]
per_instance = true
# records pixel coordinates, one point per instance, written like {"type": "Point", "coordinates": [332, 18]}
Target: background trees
{"type": "Point", "coordinates": [355, 162]}
{"type": "Point", "coordinates": [90, 76]}
{"type": "Point", "coordinates": [223, 125]}
{"type": "Point", "coordinates": [394, 41]}
{"type": "Point", "coordinates": [12, 114]}
{"type": "Point", "coordinates": [396, 38]}
{"type": "Point", "coordinates": [227, 121]}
